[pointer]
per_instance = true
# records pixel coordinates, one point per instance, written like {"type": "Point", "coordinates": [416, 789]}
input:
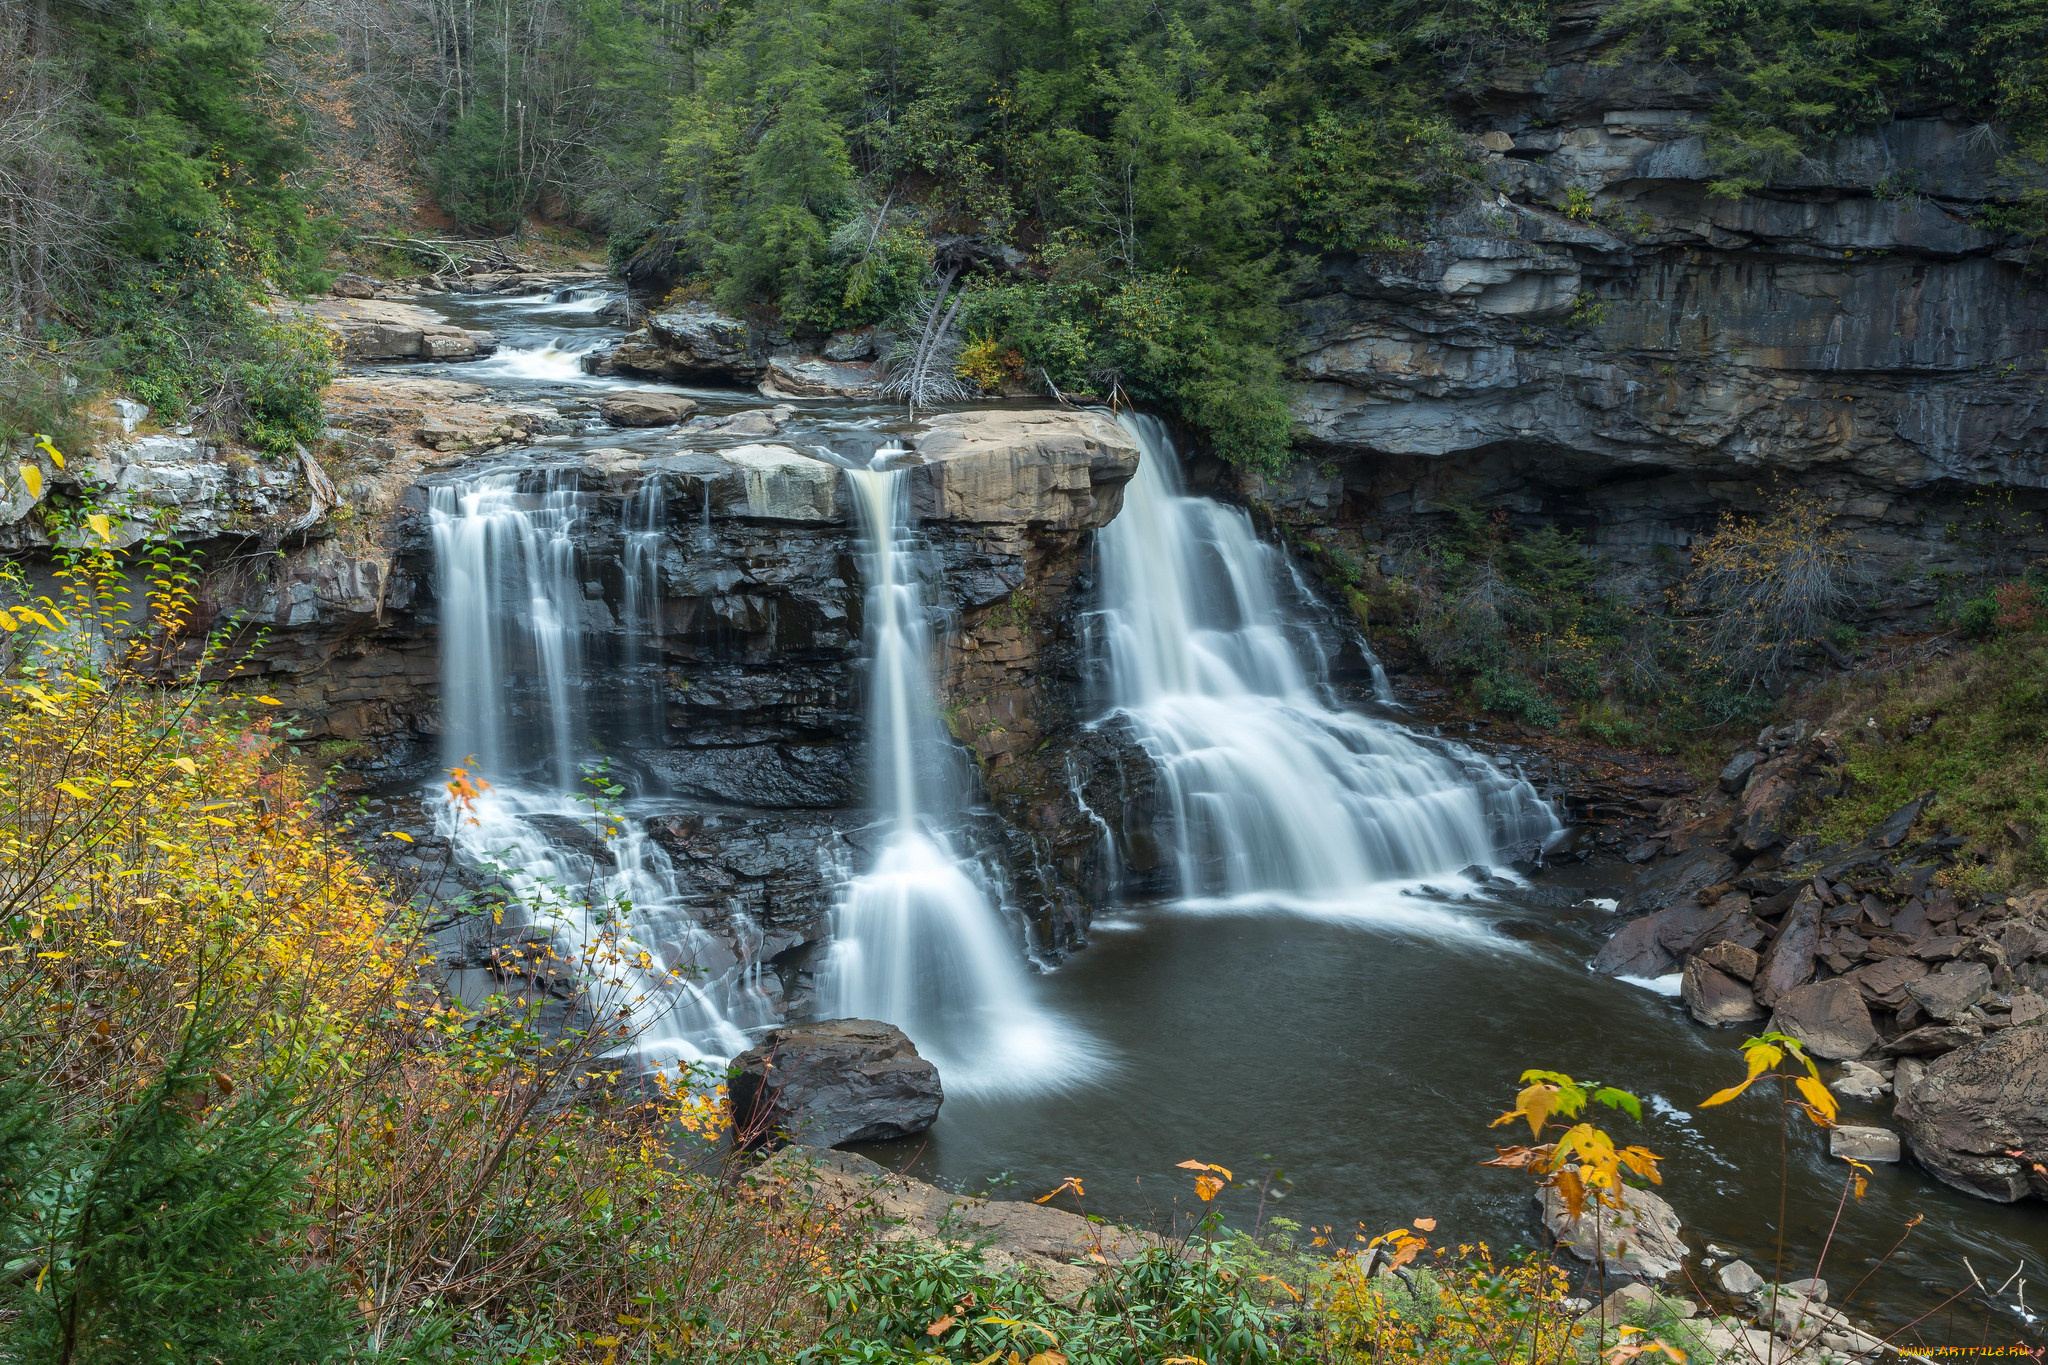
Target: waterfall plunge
{"type": "Point", "coordinates": [511, 599]}
{"type": "Point", "coordinates": [1276, 795]}
{"type": "Point", "coordinates": [917, 940]}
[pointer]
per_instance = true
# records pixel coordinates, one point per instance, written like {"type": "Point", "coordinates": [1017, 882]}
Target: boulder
{"type": "Point", "coordinates": [1856, 1081]}
{"type": "Point", "coordinates": [1788, 963]}
{"type": "Point", "coordinates": [1654, 945]}
{"type": "Point", "coordinates": [1933, 1040]}
{"type": "Point", "coordinates": [1972, 1110]}
{"type": "Point", "coordinates": [1738, 1278]}
{"type": "Point", "coordinates": [1949, 993]}
{"type": "Point", "coordinates": [834, 1082]}
{"type": "Point", "coordinates": [1884, 982]}
{"type": "Point", "coordinates": [1769, 801]}
{"type": "Point", "coordinates": [645, 407]}
{"type": "Point", "coordinates": [1735, 776]}
{"type": "Point", "coordinates": [1732, 958]}
{"type": "Point", "coordinates": [1829, 1017]}
{"type": "Point", "coordinates": [378, 329]}
{"type": "Point", "coordinates": [1674, 879]}
{"type": "Point", "coordinates": [816, 377]}
{"type": "Point", "coordinates": [1716, 999]}
{"type": "Point", "coordinates": [1039, 1238]}
{"type": "Point", "coordinates": [858, 344]}
{"type": "Point", "coordinates": [753, 422]}
{"type": "Point", "coordinates": [1053, 468]}
{"type": "Point", "coordinates": [1856, 1142]}
{"type": "Point", "coordinates": [1641, 1238]}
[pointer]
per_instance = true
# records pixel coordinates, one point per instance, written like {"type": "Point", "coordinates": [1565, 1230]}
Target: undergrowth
{"type": "Point", "coordinates": [1973, 729]}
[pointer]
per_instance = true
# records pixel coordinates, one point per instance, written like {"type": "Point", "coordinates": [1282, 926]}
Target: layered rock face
{"type": "Point", "coordinates": [1608, 345]}
{"type": "Point", "coordinates": [728, 671]}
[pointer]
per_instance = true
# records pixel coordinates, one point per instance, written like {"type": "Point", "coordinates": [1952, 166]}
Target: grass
{"type": "Point", "coordinates": [1974, 730]}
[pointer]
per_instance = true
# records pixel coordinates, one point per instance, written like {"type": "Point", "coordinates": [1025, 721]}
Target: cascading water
{"type": "Point", "coordinates": [511, 597]}
{"type": "Point", "coordinates": [917, 939]}
{"type": "Point", "coordinates": [507, 564]}
{"type": "Point", "coordinates": [1275, 794]}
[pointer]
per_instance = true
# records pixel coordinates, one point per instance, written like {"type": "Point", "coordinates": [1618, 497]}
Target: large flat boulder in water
{"type": "Point", "coordinates": [833, 1082]}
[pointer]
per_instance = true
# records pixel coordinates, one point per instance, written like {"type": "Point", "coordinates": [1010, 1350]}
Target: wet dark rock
{"type": "Point", "coordinates": [1717, 999]}
{"type": "Point", "coordinates": [779, 776]}
{"type": "Point", "coordinates": [831, 1083]}
{"type": "Point", "coordinates": [1654, 945]}
{"type": "Point", "coordinates": [1676, 878]}
{"type": "Point", "coordinates": [1972, 1110]}
{"type": "Point", "coordinates": [580, 837]}
{"type": "Point", "coordinates": [1948, 994]}
{"type": "Point", "coordinates": [1893, 831]}
{"type": "Point", "coordinates": [1829, 1017]}
{"type": "Point", "coordinates": [1789, 962]}
{"type": "Point", "coordinates": [1735, 776]}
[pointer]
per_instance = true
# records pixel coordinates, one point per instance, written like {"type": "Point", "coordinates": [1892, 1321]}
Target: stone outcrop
{"type": "Point", "coordinates": [833, 1082]}
{"type": "Point", "coordinates": [695, 343]}
{"type": "Point", "coordinates": [378, 329]}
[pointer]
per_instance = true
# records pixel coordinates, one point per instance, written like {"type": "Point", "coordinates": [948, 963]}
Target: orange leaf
{"type": "Point", "coordinates": [1426, 1224]}
{"type": "Point", "coordinates": [1818, 1098]}
{"type": "Point", "coordinates": [1208, 1186]}
{"type": "Point", "coordinates": [941, 1325]}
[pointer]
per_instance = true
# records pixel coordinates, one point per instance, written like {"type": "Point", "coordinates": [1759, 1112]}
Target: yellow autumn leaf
{"type": "Point", "coordinates": [44, 444]}
{"type": "Point", "coordinates": [187, 764]}
{"type": "Point", "coordinates": [102, 526]}
{"type": "Point", "coordinates": [399, 834]}
{"type": "Point", "coordinates": [74, 791]}
{"type": "Point", "coordinates": [1818, 1099]}
{"type": "Point", "coordinates": [32, 478]}
{"type": "Point", "coordinates": [1208, 1186]}
{"type": "Point", "coordinates": [8, 623]}
{"type": "Point", "coordinates": [1723, 1096]}
{"type": "Point", "coordinates": [270, 701]}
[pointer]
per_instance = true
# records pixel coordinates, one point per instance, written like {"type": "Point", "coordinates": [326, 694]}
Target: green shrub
{"type": "Point", "coordinates": [1511, 694]}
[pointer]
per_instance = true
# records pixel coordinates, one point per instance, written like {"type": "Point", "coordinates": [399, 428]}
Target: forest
{"type": "Point", "coordinates": [1143, 186]}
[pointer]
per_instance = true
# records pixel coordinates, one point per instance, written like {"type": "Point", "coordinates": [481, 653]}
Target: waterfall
{"type": "Point", "coordinates": [512, 616]}
{"type": "Point", "coordinates": [507, 558]}
{"type": "Point", "coordinates": [917, 938]}
{"type": "Point", "coordinates": [1275, 793]}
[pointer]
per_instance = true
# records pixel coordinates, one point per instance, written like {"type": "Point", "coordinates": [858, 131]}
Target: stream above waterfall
{"type": "Point", "coordinates": [1360, 1042]}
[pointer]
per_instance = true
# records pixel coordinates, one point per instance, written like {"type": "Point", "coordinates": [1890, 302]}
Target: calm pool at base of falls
{"type": "Point", "coordinates": [1367, 1063]}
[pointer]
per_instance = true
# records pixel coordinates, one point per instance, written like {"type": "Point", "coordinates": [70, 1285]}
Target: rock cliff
{"type": "Point", "coordinates": [1606, 344]}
